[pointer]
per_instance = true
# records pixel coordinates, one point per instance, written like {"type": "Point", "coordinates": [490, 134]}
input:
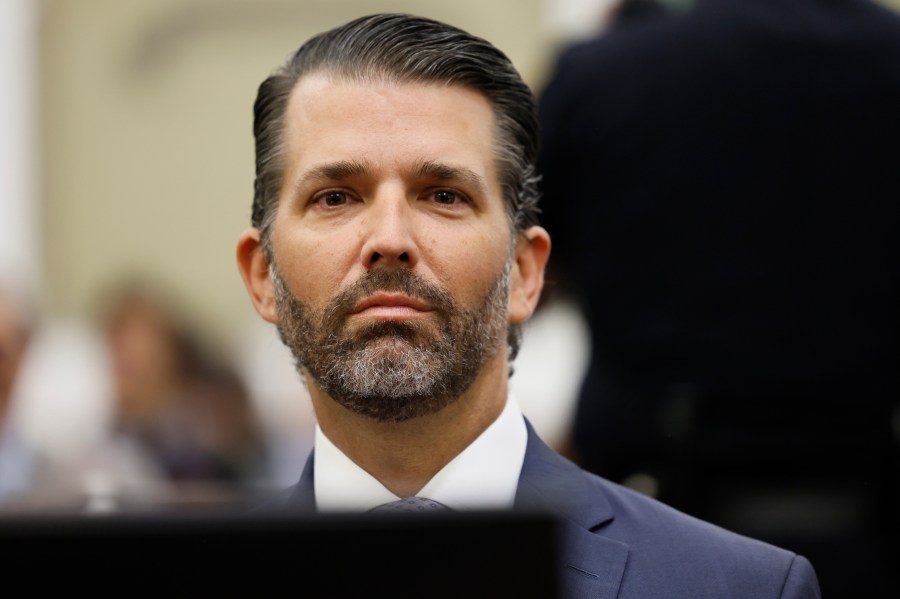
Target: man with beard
{"type": "Point", "coordinates": [395, 245]}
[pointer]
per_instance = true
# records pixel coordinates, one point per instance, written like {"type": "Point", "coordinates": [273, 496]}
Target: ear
{"type": "Point", "coordinates": [254, 269]}
{"type": "Point", "coordinates": [527, 277]}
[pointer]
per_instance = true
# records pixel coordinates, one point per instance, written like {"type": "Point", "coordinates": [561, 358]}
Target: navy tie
{"type": "Point", "coordinates": [411, 504]}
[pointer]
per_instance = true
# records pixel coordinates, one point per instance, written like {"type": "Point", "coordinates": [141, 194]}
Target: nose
{"type": "Point", "coordinates": [389, 241]}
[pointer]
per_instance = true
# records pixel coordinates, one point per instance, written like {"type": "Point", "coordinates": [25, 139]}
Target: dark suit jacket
{"type": "Point", "coordinates": [618, 544]}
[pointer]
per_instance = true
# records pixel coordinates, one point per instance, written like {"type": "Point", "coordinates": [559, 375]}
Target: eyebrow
{"type": "Point", "coordinates": [446, 172]}
{"type": "Point", "coordinates": [347, 169]}
{"type": "Point", "coordinates": [334, 171]}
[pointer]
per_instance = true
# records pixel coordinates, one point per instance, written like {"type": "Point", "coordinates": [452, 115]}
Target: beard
{"type": "Point", "coordinates": [394, 371]}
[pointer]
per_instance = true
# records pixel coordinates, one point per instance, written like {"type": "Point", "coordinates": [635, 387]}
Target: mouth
{"type": "Point", "coordinates": [391, 306]}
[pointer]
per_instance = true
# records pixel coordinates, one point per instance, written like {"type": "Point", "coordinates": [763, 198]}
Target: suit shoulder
{"type": "Point", "coordinates": [636, 513]}
{"type": "Point", "coordinates": [683, 550]}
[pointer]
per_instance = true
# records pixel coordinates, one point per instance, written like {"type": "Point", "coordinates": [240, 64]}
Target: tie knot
{"type": "Point", "coordinates": [411, 504]}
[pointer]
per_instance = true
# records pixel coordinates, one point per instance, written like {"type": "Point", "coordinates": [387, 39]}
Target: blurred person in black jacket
{"type": "Point", "coordinates": [720, 188]}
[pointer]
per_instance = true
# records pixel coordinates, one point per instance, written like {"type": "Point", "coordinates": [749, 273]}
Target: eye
{"type": "Point", "coordinates": [447, 197]}
{"type": "Point", "coordinates": [335, 198]}
{"type": "Point", "coordinates": [331, 198]}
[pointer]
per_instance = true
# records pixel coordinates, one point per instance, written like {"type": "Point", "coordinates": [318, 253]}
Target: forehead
{"type": "Point", "coordinates": [388, 123]}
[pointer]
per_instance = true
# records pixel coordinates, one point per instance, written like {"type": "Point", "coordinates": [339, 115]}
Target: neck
{"type": "Point", "coordinates": [404, 456]}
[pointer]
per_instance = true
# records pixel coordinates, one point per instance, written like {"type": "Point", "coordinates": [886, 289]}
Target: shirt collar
{"type": "Point", "coordinates": [485, 475]}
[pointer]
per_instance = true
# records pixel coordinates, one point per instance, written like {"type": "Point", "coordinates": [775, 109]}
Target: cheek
{"type": "Point", "coordinates": [474, 265]}
{"type": "Point", "coordinates": [313, 268]}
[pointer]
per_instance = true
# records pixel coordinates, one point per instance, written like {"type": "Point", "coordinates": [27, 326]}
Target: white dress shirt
{"type": "Point", "coordinates": [485, 475]}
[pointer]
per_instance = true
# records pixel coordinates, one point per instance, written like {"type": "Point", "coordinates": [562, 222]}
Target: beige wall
{"type": "Point", "coordinates": [147, 157]}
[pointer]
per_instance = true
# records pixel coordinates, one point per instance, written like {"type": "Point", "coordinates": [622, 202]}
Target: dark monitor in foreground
{"type": "Point", "coordinates": [453, 554]}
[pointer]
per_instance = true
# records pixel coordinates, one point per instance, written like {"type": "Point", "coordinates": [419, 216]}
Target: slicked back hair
{"type": "Point", "coordinates": [403, 48]}
{"type": "Point", "coordinates": [400, 48]}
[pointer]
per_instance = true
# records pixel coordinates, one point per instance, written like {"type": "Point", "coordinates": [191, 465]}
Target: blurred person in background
{"type": "Point", "coordinates": [18, 459]}
{"type": "Point", "coordinates": [721, 188]}
{"type": "Point", "coordinates": [185, 409]}
{"type": "Point", "coordinates": [52, 410]}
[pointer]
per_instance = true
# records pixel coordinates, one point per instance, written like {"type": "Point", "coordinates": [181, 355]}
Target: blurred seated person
{"type": "Point", "coordinates": [18, 460]}
{"type": "Point", "coordinates": [184, 408]}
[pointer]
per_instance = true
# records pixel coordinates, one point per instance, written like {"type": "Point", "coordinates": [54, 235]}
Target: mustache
{"type": "Point", "coordinates": [395, 280]}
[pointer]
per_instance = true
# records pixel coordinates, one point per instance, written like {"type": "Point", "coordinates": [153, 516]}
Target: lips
{"type": "Point", "coordinates": [391, 304]}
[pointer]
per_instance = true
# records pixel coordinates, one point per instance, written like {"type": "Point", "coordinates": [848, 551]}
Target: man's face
{"type": "Point", "coordinates": [391, 247]}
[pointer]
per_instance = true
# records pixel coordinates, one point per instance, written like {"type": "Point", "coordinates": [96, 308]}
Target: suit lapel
{"type": "Point", "coordinates": [593, 565]}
